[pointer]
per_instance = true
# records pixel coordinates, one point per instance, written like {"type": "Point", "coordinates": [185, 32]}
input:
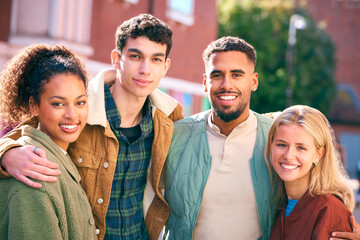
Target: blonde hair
{"type": "Point", "coordinates": [329, 176]}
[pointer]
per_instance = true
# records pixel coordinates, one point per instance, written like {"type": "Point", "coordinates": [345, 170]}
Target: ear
{"type": "Point", "coordinates": [255, 82]}
{"type": "Point", "coordinates": [34, 108]}
{"type": "Point", "coordinates": [115, 56]}
{"type": "Point", "coordinates": [167, 65]}
{"type": "Point", "coordinates": [319, 155]}
{"type": "Point", "coordinates": [204, 82]}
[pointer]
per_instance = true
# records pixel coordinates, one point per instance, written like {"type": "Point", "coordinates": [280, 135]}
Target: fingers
{"type": "Point", "coordinates": [37, 161]}
{"type": "Point", "coordinates": [28, 182]}
{"type": "Point", "coordinates": [22, 163]}
{"type": "Point", "coordinates": [41, 153]}
{"type": "Point", "coordinates": [355, 226]}
{"type": "Point", "coordinates": [40, 173]}
{"type": "Point", "coordinates": [342, 235]}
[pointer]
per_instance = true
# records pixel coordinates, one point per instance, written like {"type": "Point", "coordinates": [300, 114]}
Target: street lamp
{"type": "Point", "coordinates": [296, 22]}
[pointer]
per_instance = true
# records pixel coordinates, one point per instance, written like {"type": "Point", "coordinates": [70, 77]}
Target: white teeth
{"type": "Point", "coordinates": [286, 166]}
{"type": "Point", "coordinates": [68, 126]}
{"type": "Point", "coordinates": [227, 98]}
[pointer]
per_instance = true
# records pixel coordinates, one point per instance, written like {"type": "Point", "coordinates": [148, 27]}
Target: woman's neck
{"type": "Point", "coordinates": [295, 190]}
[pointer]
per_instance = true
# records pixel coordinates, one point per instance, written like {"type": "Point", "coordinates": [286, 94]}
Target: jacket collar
{"type": "Point", "coordinates": [97, 115]}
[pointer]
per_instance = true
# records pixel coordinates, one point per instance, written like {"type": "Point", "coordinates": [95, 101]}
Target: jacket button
{"type": "Point", "coordinates": [97, 231]}
{"type": "Point", "coordinates": [91, 221]}
{"type": "Point", "coordinates": [79, 160]}
{"type": "Point", "coordinates": [106, 165]}
{"type": "Point", "coordinates": [100, 201]}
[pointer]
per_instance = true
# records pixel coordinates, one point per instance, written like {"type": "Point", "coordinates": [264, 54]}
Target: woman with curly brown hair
{"type": "Point", "coordinates": [46, 85]}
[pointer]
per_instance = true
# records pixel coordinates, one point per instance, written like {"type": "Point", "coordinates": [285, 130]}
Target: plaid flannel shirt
{"type": "Point", "coordinates": [125, 218]}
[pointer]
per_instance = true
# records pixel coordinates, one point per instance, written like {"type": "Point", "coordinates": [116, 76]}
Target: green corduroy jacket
{"type": "Point", "coordinates": [58, 210]}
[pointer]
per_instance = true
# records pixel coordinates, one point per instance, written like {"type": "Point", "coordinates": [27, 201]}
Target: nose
{"type": "Point", "coordinates": [70, 111]}
{"type": "Point", "coordinates": [145, 67]}
{"type": "Point", "coordinates": [290, 153]}
{"type": "Point", "coordinates": [226, 82]}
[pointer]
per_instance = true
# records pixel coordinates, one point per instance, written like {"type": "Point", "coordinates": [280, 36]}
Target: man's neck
{"type": "Point", "coordinates": [129, 106]}
{"type": "Point", "coordinates": [227, 127]}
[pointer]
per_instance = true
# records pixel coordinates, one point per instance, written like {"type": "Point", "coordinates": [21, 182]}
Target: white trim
{"type": "Point", "coordinates": [70, 20]}
{"type": "Point", "coordinates": [67, 19]}
{"type": "Point", "coordinates": [14, 15]}
{"type": "Point", "coordinates": [82, 49]}
{"type": "Point", "coordinates": [180, 17]}
{"type": "Point", "coordinates": [131, 1]}
{"type": "Point", "coordinates": [56, 11]}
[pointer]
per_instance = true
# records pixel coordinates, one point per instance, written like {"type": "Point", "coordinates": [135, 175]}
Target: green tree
{"type": "Point", "coordinates": [266, 28]}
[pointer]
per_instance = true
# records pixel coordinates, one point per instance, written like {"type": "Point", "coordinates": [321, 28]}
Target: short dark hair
{"type": "Point", "coordinates": [230, 43]}
{"type": "Point", "coordinates": [144, 25]}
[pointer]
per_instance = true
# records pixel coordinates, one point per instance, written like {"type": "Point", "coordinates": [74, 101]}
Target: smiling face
{"type": "Point", "coordinates": [63, 109]}
{"type": "Point", "coordinates": [140, 66]}
{"type": "Point", "coordinates": [293, 153]}
{"type": "Point", "coordinates": [229, 80]}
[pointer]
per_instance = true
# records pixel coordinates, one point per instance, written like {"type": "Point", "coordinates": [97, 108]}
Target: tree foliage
{"type": "Point", "coordinates": [266, 28]}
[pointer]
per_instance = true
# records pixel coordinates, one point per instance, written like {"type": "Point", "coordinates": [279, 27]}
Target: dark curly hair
{"type": "Point", "coordinates": [144, 25]}
{"type": "Point", "coordinates": [26, 74]}
{"type": "Point", "coordinates": [230, 43]}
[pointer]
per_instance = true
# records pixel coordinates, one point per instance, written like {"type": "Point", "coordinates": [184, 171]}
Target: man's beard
{"type": "Point", "coordinates": [228, 117]}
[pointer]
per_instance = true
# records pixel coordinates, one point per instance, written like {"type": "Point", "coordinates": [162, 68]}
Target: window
{"type": "Point", "coordinates": [181, 11]}
{"type": "Point", "coordinates": [52, 21]}
{"type": "Point", "coordinates": [351, 142]}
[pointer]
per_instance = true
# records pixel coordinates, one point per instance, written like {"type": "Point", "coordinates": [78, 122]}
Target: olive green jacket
{"type": "Point", "coordinates": [58, 210]}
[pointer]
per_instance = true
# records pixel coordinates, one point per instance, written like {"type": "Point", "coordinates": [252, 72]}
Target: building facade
{"type": "Point", "coordinates": [341, 20]}
{"type": "Point", "coordinates": [88, 28]}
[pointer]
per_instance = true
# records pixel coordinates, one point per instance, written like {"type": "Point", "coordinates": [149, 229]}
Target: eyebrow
{"type": "Point", "coordinates": [139, 52]}
{"type": "Point", "coordinates": [62, 98]}
{"type": "Point", "coordinates": [237, 71]}
{"type": "Point", "coordinates": [232, 71]}
{"type": "Point", "coordinates": [297, 143]}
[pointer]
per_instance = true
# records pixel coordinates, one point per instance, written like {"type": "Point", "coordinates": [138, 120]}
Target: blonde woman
{"type": "Point", "coordinates": [314, 195]}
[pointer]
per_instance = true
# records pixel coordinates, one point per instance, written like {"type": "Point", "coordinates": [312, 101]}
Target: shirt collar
{"type": "Point", "coordinates": [216, 130]}
{"type": "Point", "coordinates": [113, 114]}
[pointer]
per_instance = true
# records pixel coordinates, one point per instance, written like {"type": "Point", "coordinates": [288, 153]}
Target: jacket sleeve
{"type": "Point", "coordinates": [177, 114]}
{"type": "Point", "coordinates": [331, 218]}
{"type": "Point", "coordinates": [6, 142]}
{"type": "Point", "coordinates": [9, 141]}
{"type": "Point", "coordinates": [32, 215]}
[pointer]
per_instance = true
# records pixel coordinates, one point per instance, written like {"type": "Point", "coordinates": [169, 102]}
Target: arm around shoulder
{"type": "Point", "coordinates": [333, 217]}
{"type": "Point", "coordinates": [7, 142]}
{"type": "Point", "coordinates": [354, 235]}
{"type": "Point", "coordinates": [23, 163]}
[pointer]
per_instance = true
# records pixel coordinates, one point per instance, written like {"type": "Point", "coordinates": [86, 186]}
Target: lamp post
{"type": "Point", "coordinates": [296, 22]}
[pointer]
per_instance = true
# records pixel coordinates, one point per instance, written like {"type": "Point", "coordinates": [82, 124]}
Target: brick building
{"type": "Point", "coordinates": [342, 22]}
{"type": "Point", "coordinates": [88, 27]}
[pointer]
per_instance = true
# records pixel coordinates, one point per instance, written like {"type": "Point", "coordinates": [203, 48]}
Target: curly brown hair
{"type": "Point", "coordinates": [26, 74]}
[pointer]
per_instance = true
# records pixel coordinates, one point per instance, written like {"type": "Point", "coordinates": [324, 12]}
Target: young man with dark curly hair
{"type": "Point", "coordinates": [121, 152]}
